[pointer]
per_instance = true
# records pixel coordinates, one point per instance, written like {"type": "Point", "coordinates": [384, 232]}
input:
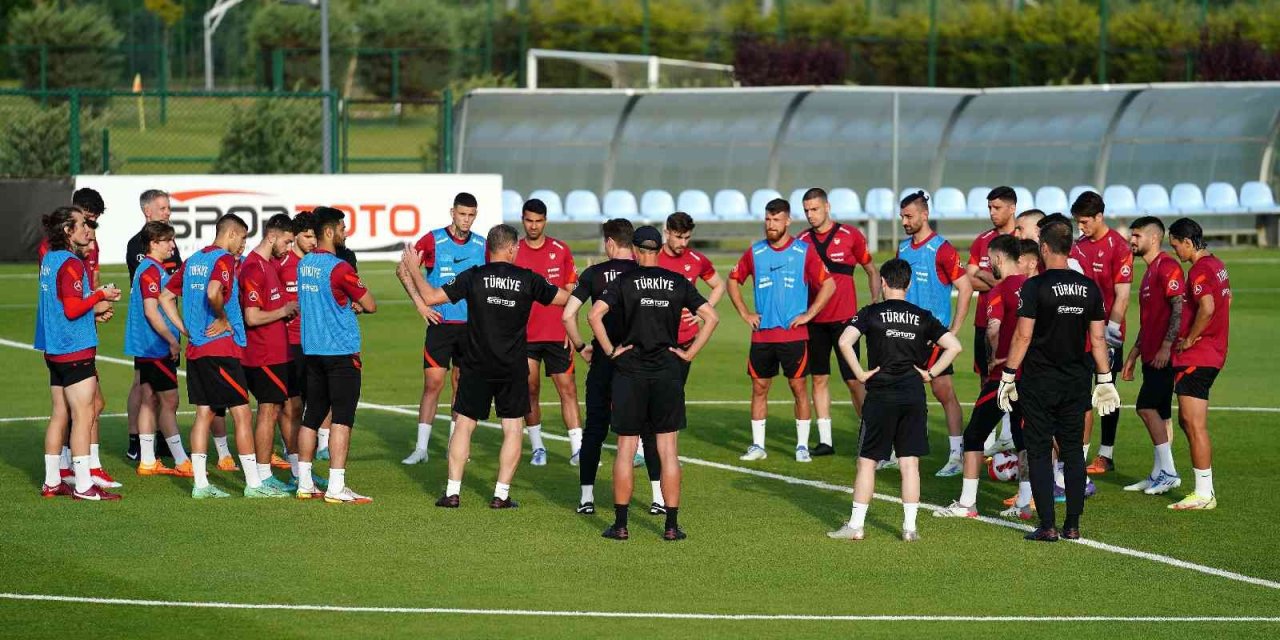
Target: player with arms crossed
{"type": "Point", "coordinates": [900, 335]}
{"type": "Point", "coordinates": [1002, 203]}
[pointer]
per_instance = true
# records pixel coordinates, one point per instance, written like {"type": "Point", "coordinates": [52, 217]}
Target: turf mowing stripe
{"type": "Point", "coordinates": [621, 614]}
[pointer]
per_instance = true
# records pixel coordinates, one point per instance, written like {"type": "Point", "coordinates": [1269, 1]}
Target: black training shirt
{"type": "Point", "coordinates": [499, 297]}
{"type": "Point", "coordinates": [136, 250]}
{"type": "Point", "coordinates": [899, 338]}
{"type": "Point", "coordinates": [591, 285]}
{"type": "Point", "coordinates": [651, 301]}
{"type": "Point", "coordinates": [1063, 303]}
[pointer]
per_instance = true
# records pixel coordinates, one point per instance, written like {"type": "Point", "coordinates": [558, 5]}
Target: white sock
{"type": "Point", "coordinates": [1006, 428]}
{"type": "Point", "coordinates": [94, 462]}
{"type": "Point", "coordinates": [199, 462]}
{"type": "Point", "coordinates": [1204, 482]}
{"type": "Point", "coordinates": [147, 443]}
{"type": "Point", "coordinates": [802, 433]}
{"type": "Point", "coordinates": [501, 490]}
{"type": "Point", "coordinates": [221, 445]}
{"type": "Point", "coordinates": [1086, 453]}
{"type": "Point", "coordinates": [304, 477]}
{"type": "Point", "coordinates": [1164, 454]}
{"type": "Point", "coordinates": [337, 481]}
{"type": "Point", "coordinates": [176, 449]}
{"type": "Point", "coordinates": [264, 472]}
{"type": "Point", "coordinates": [859, 516]}
{"type": "Point", "coordinates": [575, 440]}
{"type": "Point", "coordinates": [990, 441]}
{"type": "Point", "coordinates": [249, 466]}
{"type": "Point", "coordinates": [1106, 451]}
{"type": "Point", "coordinates": [293, 464]}
{"type": "Point", "coordinates": [322, 438]}
{"type": "Point", "coordinates": [757, 433]}
{"type": "Point", "coordinates": [64, 459]}
{"type": "Point", "coordinates": [824, 431]}
{"type": "Point", "coordinates": [84, 482]}
{"type": "Point", "coordinates": [657, 492]}
{"type": "Point", "coordinates": [1024, 493]}
{"type": "Point", "coordinates": [51, 475]}
{"type": "Point", "coordinates": [909, 510]}
{"type": "Point", "coordinates": [957, 445]}
{"type": "Point", "coordinates": [453, 487]}
{"type": "Point", "coordinates": [424, 436]}
{"type": "Point", "coordinates": [588, 493]}
{"type": "Point", "coordinates": [1155, 463]}
{"type": "Point", "coordinates": [535, 436]}
{"type": "Point", "coordinates": [969, 492]}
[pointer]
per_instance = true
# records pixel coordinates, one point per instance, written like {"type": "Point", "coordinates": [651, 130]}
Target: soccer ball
{"type": "Point", "coordinates": [1003, 466]}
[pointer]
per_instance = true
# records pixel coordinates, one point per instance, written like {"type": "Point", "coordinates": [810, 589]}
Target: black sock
{"type": "Point", "coordinates": [620, 515]}
{"type": "Point", "coordinates": [672, 513]}
{"type": "Point", "coordinates": [133, 438]}
{"type": "Point", "coordinates": [1072, 521]}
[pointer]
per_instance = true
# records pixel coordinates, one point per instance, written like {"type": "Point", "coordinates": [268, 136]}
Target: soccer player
{"type": "Point", "coordinates": [1002, 203]}
{"type": "Point", "coordinates": [841, 248]}
{"type": "Point", "coordinates": [329, 291]}
{"type": "Point", "coordinates": [154, 343]}
{"type": "Point", "coordinates": [155, 208]}
{"type": "Point", "coordinates": [547, 342]}
{"type": "Point", "coordinates": [900, 335]}
{"type": "Point", "coordinates": [1107, 260]}
{"type": "Point", "coordinates": [1200, 353]}
{"type": "Point", "coordinates": [1027, 225]}
{"type": "Point", "coordinates": [266, 359]}
{"type": "Point", "coordinates": [495, 372]}
{"type": "Point", "coordinates": [304, 242]}
{"type": "Point", "coordinates": [648, 389]}
{"type": "Point", "coordinates": [444, 253]}
{"type": "Point", "coordinates": [212, 320]}
{"type": "Point", "coordinates": [591, 285]}
{"type": "Point", "coordinates": [1003, 253]}
{"type": "Point", "coordinates": [1160, 303]}
{"type": "Point", "coordinates": [67, 334]}
{"type": "Point", "coordinates": [1059, 311]}
{"type": "Point", "coordinates": [784, 271]}
{"type": "Point", "coordinates": [937, 270]}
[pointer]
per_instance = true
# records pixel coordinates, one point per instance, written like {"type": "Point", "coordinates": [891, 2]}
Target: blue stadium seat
{"type": "Point", "coordinates": [908, 191]}
{"type": "Point", "coordinates": [1257, 197]}
{"type": "Point", "coordinates": [845, 205]}
{"type": "Point", "coordinates": [949, 202]}
{"type": "Point", "coordinates": [656, 204]}
{"type": "Point", "coordinates": [1075, 193]}
{"type": "Point", "coordinates": [1025, 199]}
{"type": "Point", "coordinates": [582, 205]}
{"type": "Point", "coordinates": [512, 201]}
{"type": "Point", "coordinates": [796, 200]}
{"type": "Point", "coordinates": [1153, 200]}
{"type": "Point", "coordinates": [761, 197]}
{"type": "Point", "coordinates": [976, 203]}
{"type": "Point", "coordinates": [730, 204]}
{"type": "Point", "coordinates": [1119, 200]}
{"type": "Point", "coordinates": [1186, 198]}
{"type": "Point", "coordinates": [619, 203]}
{"type": "Point", "coordinates": [1220, 197]}
{"type": "Point", "coordinates": [1051, 200]}
{"type": "Point", "coordinates": [555, 211]}
{"type": "Point", "coordinates": [880, 203]}
{"type": "Point", "coordinates": [696, 204]}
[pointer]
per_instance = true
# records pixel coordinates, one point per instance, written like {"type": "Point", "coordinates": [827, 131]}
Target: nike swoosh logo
{"type": "Point", "coordinates": [776, 267]}
{"type": "Point", "coordinates": [457, 260]}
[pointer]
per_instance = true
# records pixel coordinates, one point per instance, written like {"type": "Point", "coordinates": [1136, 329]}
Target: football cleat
{"type": "Point", "coordinates": [754, 452]}
{"type": "Point", "coordinates": [1070, 534]}
{"type": "Point", "coordinates": [227, 463]}
{"type": "Point", "coordinates": [323, 454]}
{"type": "Point", "coordinates": [637, 460]}
{"type": "Point", "coordinates": [263, 491]}
{"type": "Point", "coordinates": [910, 535]}
{"type": "Point", "coordinates": [68, 476]}
{"type": "Point", "coordinates": [996, 446]}
{"type": "Point", "coordinates": [957, 510]}
{"type": "Point", "coordinates": [1021, 513]}
{"type": "Point", "coordinates": [539, 458]}
{"type": "Point", "coordinates": [1059, 494]}
{"type": "Point", "coordinates": [802, 454]}
{"type": "Point", "coordinates": [656, 509]}
{"type": "Point", "coordinates": [953, 468]}
{"type": "Point", "coordinates": [58, 489]}
{"type": "Point", "coordinates": [209, 491]}
{"type": "Point", "coordinates": [346, 496]}
{"type": "Point", "coordinates": [452, 502]}
{"type": "Point", "coordinates": [673, 534]}
{"type": "Point", "coordinates": [1042, 534]}
{"type": "Point", "coordinates": [277, 462]}
{"type": "Point", "coordinates": [891, 463]}
{"type": "Point", "coordinates": [1195, 502]}
{"type": "Point", "coordinates": [418, 455]}
{"type": "Point", "coordinates": [184, 470]}
{"type": "Point", "coordinates": [156, 468]}
{"type": "Point", "coordinates": [616, 533]}
{"type": "Point", "coordinates": [1163, 483]}
{"type": "Point", "coordinates": [587, 508]}
{"type": "Point", "coordinates": [1100, 464]}
{"type": "Point", "coordinates": [503, 503]}
{"type": "Point", "coordinates": [1089, 487]}
{"type": "Point", "coordinates": [823, 449]}
{"type": "Point", "coordinates": [575, 458]}
{"type": "Point", "coordinates": [1141, 485]}
{"type": "Point", "coordinates": [95, 493]}
{"type": "Point", "coordinates": [285, 488]}
{"type": "Point", "coordinates": [847, 532]}
{"type": "Point", "coordinates": [309, 494]}
{"type": "Point", "coordinates": [103, 479]}
{"type": "Point", "coordinates": [320, 483]}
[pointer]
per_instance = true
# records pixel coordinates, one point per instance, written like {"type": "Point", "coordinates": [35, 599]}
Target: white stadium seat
{"type": "Point", "coordinates": [1153, 200]}
{"type": "Point", "coordinates": [949, 202]}
{"type": "Point", "coordinates": [976, 203]}
{"type": "Point", "coordinates": [1257, 197]}
{"type": "Point", "coordinates": [1186, 198]}
{"type": "Point", "coordinates": [1119, 200]}
{"type": "Point", "coordinates": [1220, 197]}
{"type": "Point", "coordinates": [730, 204]}
{"type": "Point", "coordinates": [845, 204]}
{"type": "Point", "coordinates": [761, 197]}
{"type": "Point", "coordinates": [582, 205]}
{"type": "Point", "coordinates": [1075, 193]}
{"type": "Point", "coordinates": [796, 200]}
{"type": "Point", "coordinates": [512, 201]}
{"type": "Point", "coordinates": [619, 203]}
{"type": "Point", "coordinates": [656, 204]}
{"type": "Point", "coordinates": [880, 203]}
{"type": "Point", "coordinates": [1052, 200]}
{"type": "Point", "coordinates": [1025, 199]}
{"type": "Point", "coordinates": [555, 211]}
{"type": "Point", "coordinates": [696, 204]}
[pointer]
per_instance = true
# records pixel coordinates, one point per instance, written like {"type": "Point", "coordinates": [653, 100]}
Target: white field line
{"type": "Point", "coordinates": [936, 404]}
{"type": "Point", "coordinates": [640, 615]}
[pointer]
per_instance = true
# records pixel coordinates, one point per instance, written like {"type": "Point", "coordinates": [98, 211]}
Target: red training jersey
{"type": "Point", "coordinates": [845, 247]}
{"type": "Point", "coordinates": [1161, 283]}
{"type": "Point", "coordinates": [75, 303]}
{"type": "Point", "coordinates": [1002, 305]}
{"type": "Point", "coordinates": [224, 271]}
{"type": "Point", "coordinates": [260, 288]}
{"type": "Point", "coordinates": [553, 261]}
{"type": "Point", "coordinates": [693, 266]}
{"type": "Point", "coordinates": [815, 273]}
{"type": "Point", "coordinates": [1108, 262]}
{"type": "Point", "coordinates": [978, 257]}
{"type": "Point", "coordinates": [345, 284]}
{"type": "Point", "coordinates": [287, 273]}
{"type": "Point", "coordinates": [1207, 277]}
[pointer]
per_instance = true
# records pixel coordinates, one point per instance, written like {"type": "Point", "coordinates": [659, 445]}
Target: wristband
{"type": "Point", "coordinates": [1105, 378]}
{"type": "Point", "coordinates": [1011, 371]}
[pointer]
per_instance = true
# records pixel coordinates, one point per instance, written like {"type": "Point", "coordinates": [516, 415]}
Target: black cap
{"type": "Point", "coordinates": [647, 237]}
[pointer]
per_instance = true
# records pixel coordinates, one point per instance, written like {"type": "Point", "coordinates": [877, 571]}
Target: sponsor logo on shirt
{"type": "Point", "coordinates": [1075, 311]}
{"type": "Point", "coordinates": [894, 333]}
{"type": "Point", "coordinates": [651, 302]}
{"type": "Point", "coordinates": [1126, 270]}
{"type": "Point", "coordinates": [500, 301]}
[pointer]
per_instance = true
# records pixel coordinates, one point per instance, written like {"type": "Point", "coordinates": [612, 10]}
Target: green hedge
{"type": "Point", "coordinates": [274, 135]}
{"type": "Point", "coordinates": [35, 143]}
{"type": "Point", "coordinates": [295, 29]}
{"type": "Point", "coordinates": [81, 43]}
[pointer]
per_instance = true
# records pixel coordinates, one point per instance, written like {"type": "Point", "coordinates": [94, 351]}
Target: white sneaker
{"type": "Point", "coordinates": [1141, 485]}
{"type": "Point", "coordinates": [754, 452]}
{"type": "Point", "coordinates": [847, 533]}
{"type": "Point", "coordinates": [1163, 483]}
{"type": "Point", "coordinates": [953, 468]}
{"type": "Point", "coordinates": [1195, 502]}
{"type": "Point", "coordinates": [418, 455]}
{"type": "Point", "coordinates": [1021, 513]}
{"type": "Point", "coordinates": [910, 535]}
{"type": "Point", "coordinates": [346, 496]}
{"type": "Point", "coordinates": [575, 458]}
{"type": "Point", "coordinates": [891, 463]}
{"type": "Point", "coordinates": [539, 458]}
{"type": "Point", "coordinates": [956, 510]}
{"type": "Point", "coordinates": [997, 446]}
{"type": "Point", "coordinates": [802, 454]}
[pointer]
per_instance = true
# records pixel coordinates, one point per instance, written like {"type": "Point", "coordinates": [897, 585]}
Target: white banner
{"type": "Point", "coordinates": [383, 211]}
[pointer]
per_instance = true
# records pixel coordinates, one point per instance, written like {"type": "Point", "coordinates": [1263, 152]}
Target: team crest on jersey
{"type": "Point", "coordinates": [688, 267]}
{"type": "Point", "coordinates": [79, 287]}
{"type": "Point", "coordinates": [1126, 270]}
{"type": "Point", "coordinates": [1199, 289]}
{"type": "Point", "coordinates": [553, 255]}
{"type": "Point", "coordinates": [836, 242]}
{"type": "Point", "coordinates": [153, 288]}
{"type": "Point", "coordinates": [253, 296]}
{"type": "Point", "coordinates": [1174, 285]}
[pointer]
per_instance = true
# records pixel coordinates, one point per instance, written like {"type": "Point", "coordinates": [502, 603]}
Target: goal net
{"type": "Point", "coordinates": [550, 68]}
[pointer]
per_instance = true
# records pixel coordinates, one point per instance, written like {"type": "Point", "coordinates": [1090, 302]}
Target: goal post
{"type": "Point", "coordinates": [631, 71]}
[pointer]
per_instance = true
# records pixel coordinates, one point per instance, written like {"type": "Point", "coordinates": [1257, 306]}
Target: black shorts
{"type": "Point", "coordinates": [160, 373]}
{"type": "Point", "coordinates": [1052, 413]}
{"type": "Point", "coordinates": [555, 356]}
{"type": "Point", "coordinates": [765, 358]}
{"type": "Point", "coordinates": [890, 425]}
{"type": "Point", "coordinates": [1194, 381]}
{"type": "Point", "coordinates": [980, 352]}
{"type": "Point", "coordinates": [216, 382]}
{"type": "Point", "coordinates": [65, 374]}
{"type": "Point", "coordinates": [443, 345]}
{"type": "Point", "coordinates": [643, 406]}
{"type": "Point", "coordinates": [333, 384]}
{"type": "Point", "coordinates": [475, 395]}
{"type": "Point", "coordinates": [987, 415]}
{"type": "Point", "coordinates": [599, 393]}
{"type": "Point", "coordinates": [269, 384]}
{"type": "Point", "coordinates": [824, 337]}
{"type": "Point", "coordinates": [1157, 390]}
{"type": "Point", "coordinates": [297, 372]}
{"type": "Point", "coordinates": [934, 353]}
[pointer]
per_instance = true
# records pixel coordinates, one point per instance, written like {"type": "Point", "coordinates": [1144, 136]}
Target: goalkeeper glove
{"type": "Point", "coordinates": [1008, 392]}
{"type": "Point", "coordinates": [1114, 338]}
{"type": "Point", "coordinates": [1105, 397]}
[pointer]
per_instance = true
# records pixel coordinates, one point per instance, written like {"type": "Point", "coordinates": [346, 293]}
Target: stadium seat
{"type": "Point", "coordinates": [976, 203]}
{"type": "Point", "coordinates": [761, 197]}
{"type": "Point", "coordinates": [555, 211]}
{"type": "Point", "coordinates": [696, 204]}
{"type": "Point", "coordinates": [730, 204]}
{"type": "Point", "coordinates": [797, 201]}
{"type": "Point", "coordinates": [1186, 198]}
{"type": "Point", "coordinates": [910, 190]}
{"type": "Point", "coordinates": [845, 205]}
{"type": "Point", "coordinates": [1220, 197]}
{"type": "Point", "coordinates": [582, 205]}
{"type": "Point", "coordinates": [1257, 197]}
{"type": "Point", "coordinates": [656, 204]}
{"type": "Point", "coordinates": [619, 203]}
{"type": "Point", "coordinates": [1025, 199]}
{"type": "Point", "coordinates": [949, 202]}
{"type": "Point", "coordinates": [1153, 200]}
{"type": "Point", "coordinates": [1051, 200]}
{"type": "Point", "coordinates": [880, 203]}
{"type": "Point", "coordinates": [1119, 200]}
{"type": "Point", "coordinates": [1075, 193]}
{"type": "Point", "coordinates": [512, 201]}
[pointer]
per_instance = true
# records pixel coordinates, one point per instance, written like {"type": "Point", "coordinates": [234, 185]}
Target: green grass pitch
{"type": "Point", "coordinates": [756, 543]}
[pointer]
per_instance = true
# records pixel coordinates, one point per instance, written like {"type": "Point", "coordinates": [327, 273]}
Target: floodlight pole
{"type": "Point", "coordinates": [326, 133]}
{"type": "Point", "coordinates": [213, 18]}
